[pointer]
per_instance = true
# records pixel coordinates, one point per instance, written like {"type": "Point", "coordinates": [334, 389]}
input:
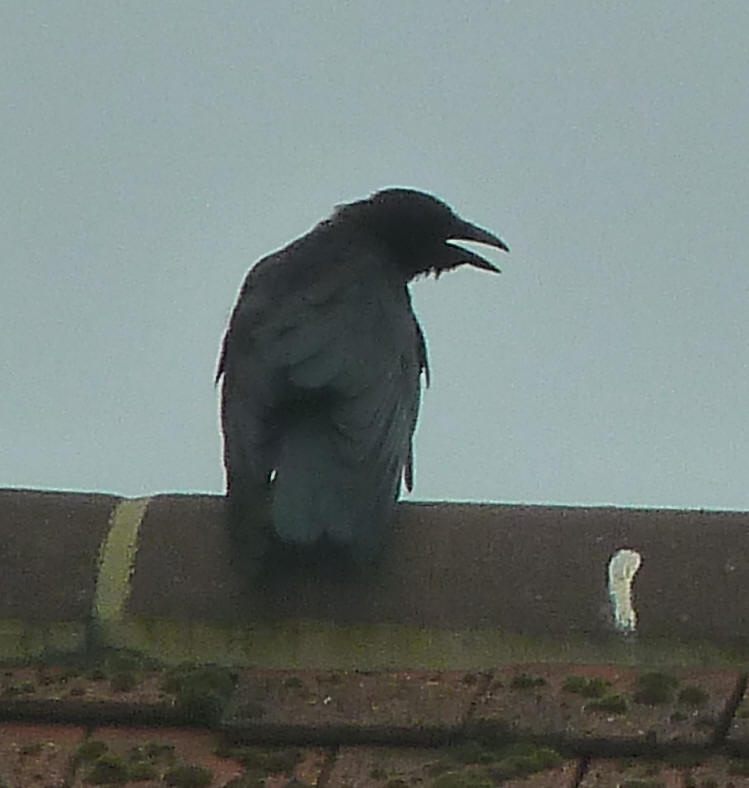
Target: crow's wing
{"type": "Point", "coordinates": [321, 368]}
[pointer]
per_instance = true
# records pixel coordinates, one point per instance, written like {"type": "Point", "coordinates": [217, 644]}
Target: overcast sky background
{"type": "Point", "coordinates": [151, 151]}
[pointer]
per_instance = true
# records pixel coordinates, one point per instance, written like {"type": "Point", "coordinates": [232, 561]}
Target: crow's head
{"type": "Point", "coordinates": [417, 229]}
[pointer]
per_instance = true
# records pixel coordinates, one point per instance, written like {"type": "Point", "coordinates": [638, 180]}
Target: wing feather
{"type": "Point", "coordinates": [321, 364]}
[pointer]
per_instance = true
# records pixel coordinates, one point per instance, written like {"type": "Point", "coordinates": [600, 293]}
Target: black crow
{"type": "Point", "coordinates": [322, 365]}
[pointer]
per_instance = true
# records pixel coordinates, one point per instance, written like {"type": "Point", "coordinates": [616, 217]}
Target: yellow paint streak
{"type": "Point", "coordinates": [117, 559]}
{"type": "Point", "coordinates": [24, 640]}
{"type": "Point", "coordinates": [320, 645]}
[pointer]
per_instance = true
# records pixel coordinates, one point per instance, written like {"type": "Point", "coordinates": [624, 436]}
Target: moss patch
{"type": "Point", "coordinates": [524, 681]}
{"type": "Point", "coordinates": [610, 704]}
{"type": "Point", "coordinates": [268, 760]}
{"type": "Point", "coordinates": [692, 696]}
{"type": "Point", "coordinates": [465, 779]}
{"type": "Point", "coordinates": [106, 769]}
{"type": "Point", "coordinates": [96, 763]}
{"type": "Point", "coordinates": [472, 763]}
{"type": "Point", "coordinates": [13, 689]}
{"type": "Point", "coordinates": [588, 688]}
{"type": "Point", "coordinates": [186, 776]}
{"type": "Point", "coordinates": [201, 691]}
{"type": "Point", "coordinates": [655, 688]}
{"type": "Point", "coordinates": [89, 751]}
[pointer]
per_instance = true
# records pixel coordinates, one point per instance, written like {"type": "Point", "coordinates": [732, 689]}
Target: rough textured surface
{"type": "Point", "coordinates": [140, 752]}
{"type": "Point", "coordinates": [344, 706]}
{"type": "Point", "coordinates": [533, 569]}
{"type": "Point", "coordinates": [37, 755]}
{"type": "Point", "coordinates": [523, 726]}
{"type": "Point", "coordinates": [124, 692]}
{"type": "Point", "coordinates": [398, 767]}
{"type": "Point", "coordinates": [597, 707]}
{"type": "Point", "coordinates": [738, 731]}
{"type": "Point", "coordinates": [49, 547]}
{"type": "Point", "coordinates": [460, 582]}
{"type": "Point", "coordinates": [681, 772]}
{"type": "Point", "coordinates": [182, 568]}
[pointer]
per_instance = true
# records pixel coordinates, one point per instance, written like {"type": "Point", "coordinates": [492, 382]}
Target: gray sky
{"type": "Point", "coordinates": [150, 152]}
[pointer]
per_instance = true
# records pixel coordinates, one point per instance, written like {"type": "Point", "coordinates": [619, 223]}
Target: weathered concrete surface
{"type": "Point", "coordinates": [329, 708]}
{"type": "Point", "coordinates": [379, 767]}
{"type": "Point", "coordinates": [606, 708]}
{"type": "Point", "coordinates": [49, 546]}
{"type": "Point", "coordinates": [183, 565]}
{"type": "Point", "coordinates": [37, 755]}
{"type": "Point", "coordinates": [707, 772]}
{"type": "Point", "coordinates": [547, 736]}
{"type": "Point", "coordinates": [161, 751]}
{"type": "Point", "coordinates": [529, 569]}
{"type": "Point", "coordinates": [538, 571]}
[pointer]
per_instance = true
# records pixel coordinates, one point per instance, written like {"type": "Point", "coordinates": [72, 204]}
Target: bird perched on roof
{"type": "Point", "coordinates": [321, 364]}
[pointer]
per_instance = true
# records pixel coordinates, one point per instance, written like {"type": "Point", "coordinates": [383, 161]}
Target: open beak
{"type": "Point", "coordinates": [465, 231]}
